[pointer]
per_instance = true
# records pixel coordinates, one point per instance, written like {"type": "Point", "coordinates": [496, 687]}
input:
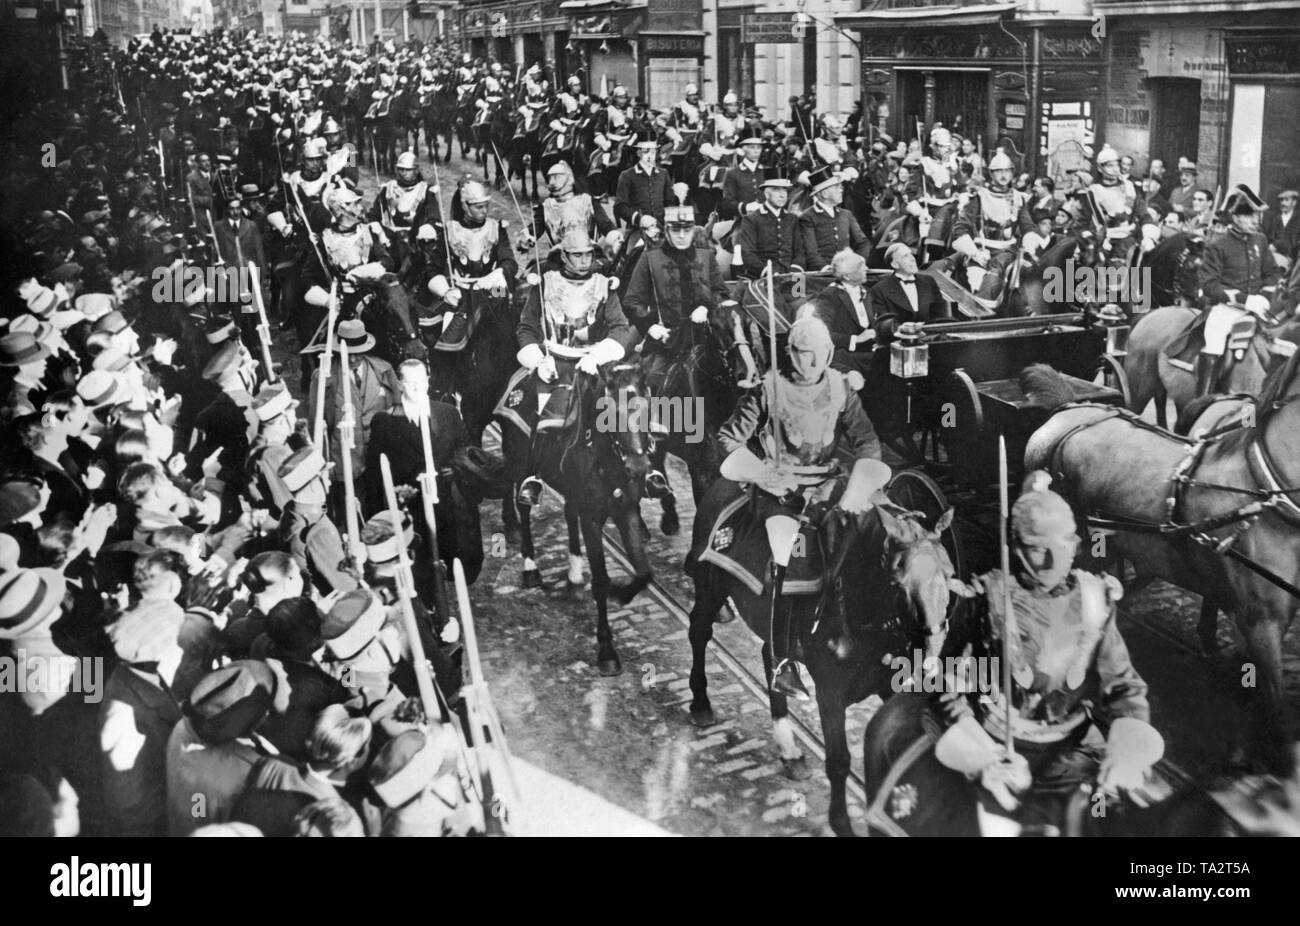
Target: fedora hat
{"type": "Point", "coordinates": [29, 599]}
{"type": "Point", "coordinates": [234, 700]}
{"type": "Point", "coordinates": [99, 388]}
{"type": "Point", "coordinates": [19, 348]}
{"type": "Point", "coordinates": [353, 333]}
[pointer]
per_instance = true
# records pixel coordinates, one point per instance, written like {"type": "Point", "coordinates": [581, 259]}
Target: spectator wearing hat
{"type": "Point", "coordinates": [414, 778]}
{"type": "Point", "coordinates": [271, 576]}
{"type": "Point", "coordinates": [42, 439]}
{"type": "Point", "coordinates": [227, 426]}
{"type": "Point", "coordinates": [214, 747]}
{"type": "Point", "coordinates": [23, 360]}
{"type": "Point", "coordinates": [1282, 228]}
{"type": "Point", "coordinates": [279, 787]}
{"type": "Point", "coordinates": [768, 234]}
{"type": "Point", "coordinates": [1180, 199]}
{"type": "Point", "coordinates": [199, 182]}
{"type": "Point", "coordinates": [643, 189]}
{"type": "Point", "coordinates": [279, 437]}
{"type": "Point", "coordinates": [305, 528]}
{"type": "Point", "coordinates": [239, 243]}
{"type": "Point", "coordinates": [374, 389]}
{"type": "Point", "coordinates": [827, 227]}
{"type": "Point", "coordinates": [364, 645]}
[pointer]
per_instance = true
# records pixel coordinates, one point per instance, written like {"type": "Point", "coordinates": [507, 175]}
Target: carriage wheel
{"type": "Point", "coordinates": [1110, 373]}
{"type": "Point", "coordinates": [962, 428]}
{"type": "Point", "coordinates": [915, 491]}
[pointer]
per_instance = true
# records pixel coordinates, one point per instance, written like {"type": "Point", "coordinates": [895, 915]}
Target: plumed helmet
{"type": "Point", "coordinates": [810, 333]}
{"type": "Point", "coordinates": [331, 127]}
{"type": "Point", "coordinates": [406, 161]}
{"type": "Point", "coordinates": [691, 89]}
{"type": "Point", "coordinates": [1040, 517]}
{"type": "Point", "coordinates": [473, 192]}
{"type": "Point", "coordinates": [576, 241]}
{"type": "Point", "coordinates": [313, 148]}
{"type": "Point", "coordinates": [941, 136]}
{"type": "Point", "coordinates": [1001, 161]}
{"type": "Point", "coordinates": [1107, 155]}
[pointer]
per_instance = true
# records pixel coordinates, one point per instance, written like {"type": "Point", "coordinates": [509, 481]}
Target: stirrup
{"type": "Point", "coordinates": [530, 492]}
{"type": "Point", "coordinates": [656, 485]}
{"type": "Point", "coordinates": [786, 679]}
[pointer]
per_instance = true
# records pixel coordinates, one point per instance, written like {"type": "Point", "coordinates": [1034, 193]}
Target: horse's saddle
{"type": "Point", "coordinates": [1182, 351]}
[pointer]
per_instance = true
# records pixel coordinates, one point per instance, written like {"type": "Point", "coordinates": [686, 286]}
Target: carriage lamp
{"type": "Point", "coordinates": [908, 357]}
{"type": "Point", "coordinates": [1111, 320]}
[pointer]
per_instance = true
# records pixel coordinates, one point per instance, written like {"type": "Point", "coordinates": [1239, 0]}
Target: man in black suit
{"type": "Point", "coordinates": [239, 243]}
{"type": "Point", "coordinates": [845, 307]}
{"type": "Point", "coordinates": [643, 189]}
{"type": "Point", "coordinates": [904, 296]}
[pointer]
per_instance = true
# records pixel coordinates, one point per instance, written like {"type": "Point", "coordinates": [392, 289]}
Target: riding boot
{"type": "Point", "coordinates": [1208, 367]}
{"type": "Point", "coordinates": [785, 674]}
{"type": "Point", "coordinates": [550, 419]}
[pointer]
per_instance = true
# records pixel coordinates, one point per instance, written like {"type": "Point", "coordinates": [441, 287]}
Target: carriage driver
{"type": "Point", "coordinates": [1236, 268]}
{"type": "Point", "coordinates": [573, 321]}
{"type": "Point", "coordinates": [824, 451]}
{"type": "Point", "coordinates": [1072, 678]}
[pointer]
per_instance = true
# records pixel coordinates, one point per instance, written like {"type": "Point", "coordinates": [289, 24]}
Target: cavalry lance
{"type": "Point", "coordinates": [347, 440]}
{"type": "Point", "coordinates": [318, 433]}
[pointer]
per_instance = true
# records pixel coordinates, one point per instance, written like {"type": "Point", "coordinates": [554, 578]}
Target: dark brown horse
{"type": "Point", "coordinates": [1178, 514]}
{"type": "Point", "coordinates": [889, 586]}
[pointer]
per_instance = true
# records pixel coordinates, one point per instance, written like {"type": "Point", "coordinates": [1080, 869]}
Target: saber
{"type": "Point", "coordinates": [537, 256]}
{"type": "Point", "coordinates": [1008, 613]}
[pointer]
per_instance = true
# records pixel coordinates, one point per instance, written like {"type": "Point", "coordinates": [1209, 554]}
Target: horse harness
{"type": "Point", "coordinates": [1272, 497]}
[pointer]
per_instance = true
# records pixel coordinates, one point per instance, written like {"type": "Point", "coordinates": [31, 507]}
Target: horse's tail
{"type": "Point", "coordinates": [1046, 387]}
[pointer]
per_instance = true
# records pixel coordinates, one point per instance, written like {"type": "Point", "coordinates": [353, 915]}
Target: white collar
{"type": "Point", "coordinates": [904, 279]}
{"type": "Point", "coordinates": [648, 173]}
{"type": "Point", "coordinates": [776, 212]}
{"type": "Point", "coordinates": [826, 208]}
{"type": "Point", "coordinates": [748, 165]}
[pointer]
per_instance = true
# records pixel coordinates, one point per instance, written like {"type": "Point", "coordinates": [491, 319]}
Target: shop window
{"type": "Point", "coordinates": [666, 80]}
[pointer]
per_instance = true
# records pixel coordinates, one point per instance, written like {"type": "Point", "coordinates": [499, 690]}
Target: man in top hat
{"type": "Point", "coordinates": [1282, 228]}
{"type": "Point", "coordinates": [769, 233]}
{"type": "Point", "coordinates": [1071, 671]}
{"type": "Point", "coordinates": [674, 285]}
{"type": "Point", "coordinates": [306, 530]}
{"type": "Point", "coordinates": [406, 207]}
{"type": "Point", "coordinates": [643, 189]}
{"type": "Point", "coordinates": [573, 323]}
{"type": "Point", "coordinates": [565, 208]}
{"type": "Point", "coordinates": [1180, 198]}
{"type": "Point", "coordinates": [482, 266]}
{"type": "Point", "coordinates": [988, 232]}
{"type": "Point", "coordinates": [827, 227]}
{"type": "Point", "coordinates": [1237, 273]}
{"type": "Point", "coordinates": [239, 243]}
{"type": "Point", "coordinates": [742, 191]}
{"type": "Point", "coordinates": [374, 389]}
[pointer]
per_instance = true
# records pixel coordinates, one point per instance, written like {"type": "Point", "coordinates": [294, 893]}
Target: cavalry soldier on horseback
{"type": "Point", "coordinates": [1121, 210]}
{"type": "Point", "coordinates": [989, 231]}
{"type": "Point", "coordinates": [643, 189]}
{"type": "Point", "coordinates": [725, 129]}
{"type": "Point", "coordinates": [482, 263]}
{"type": "Point", "coordinates": [830, 147]}
{"type": "Point", "coordinates": [340, 156]}
{"type": "Point", "coordinates": [804, 446]}
{"type": "Point", "coordinates": [1237, 274]}
{"type": "Point", "coordinates": [675, 284]}
{"type": "Point", "coordinates": [1072, 679]}
{"type": "Point", "coordinates": [564, 209]}
{"type": "Point", "coordinates": [934, 191]}
{"type": "Point", "coordinates": [611, 131]}
{"type": "Point", "coordinates": [682, 125]}
{"type": "Point", "coordinates": [573, 323]}
{"type": "Point", "coordinates": [406, 207]}
{"type": "Point", "coordinates": [353, 250]}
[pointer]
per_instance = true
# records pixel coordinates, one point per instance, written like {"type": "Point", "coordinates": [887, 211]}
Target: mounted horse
{"type": "Point", "coordinates": [439, 110]}
{"type": "Point", "coordinates": [714, 366]}
{"type": "Point", "coordinates": [1217, 515]}
{"type": "Point", "coordinates": [525, 147]}
{"type": "Point", "coordinates": [600, 472]}
{"type": "Point", "coordinates": [886, 583]}
{"type": "Point", "coordinates": [493, 129]}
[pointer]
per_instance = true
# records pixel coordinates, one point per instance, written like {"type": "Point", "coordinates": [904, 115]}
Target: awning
{"type": "Point", "coordinates": [592, 5]}
{"type": "Point", "coordinates": [1183, 7]}
{"type": "Point", "coordinates": [985, 14]}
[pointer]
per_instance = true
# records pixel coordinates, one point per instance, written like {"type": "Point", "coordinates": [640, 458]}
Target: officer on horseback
{"type": "Point", "coordinates": [340, 156]}
{"type": "Point", "coordinates": [573, 323]}
{"type": "Point", "coordinates": [1237, 270]}
{"type": "Point", "coordinates": [682, 125]}
{"type": "Point", "coordinates": [804, 444]}
{"type": "Point", "coordinates": [565, 208]}
{"type": "Point", "coordinates": [934, 190]}
{"type": "Point", "coordinates": [406, 207]}
{"type": "Point", "coordinates": [481, 261]}
{"type": "Point", "coordinates": [354, 251]}
{"type": "Point", "coordinates": [1071, 672]}
{"type": "Point", "coordinates": [611, 131]}
{"type": "Point", "coordinates": [1120, 209]}
{"type": "Point", "coordinates": [989, 231]}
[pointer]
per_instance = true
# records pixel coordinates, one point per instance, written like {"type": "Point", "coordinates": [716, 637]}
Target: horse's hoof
{"type": "Point", "coordinates": [796, 769]}
{"type": "Point", "coordinates": [609, 665]}
{"type": "Point", "coordinates": [533, 579]}
{"type": "Point", "coordinates": [671, 525]}
{"type": "Point", "coordinates": [703, 716]}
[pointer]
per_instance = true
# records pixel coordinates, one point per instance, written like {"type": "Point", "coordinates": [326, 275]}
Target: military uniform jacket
{"type": "Point", "coordinates": [639, 194]}
{"type": "Point", "coordinates": [1237, 261]}
{"type": "Point", "coordinates": [995, 216]}
{"type": "Point", "coordinates": [1068, 660]}
{"type": "Point", "coordinates": [345, 251]}
{"type": "Point", "coordinates": [475, 252]}
{"type": "Point", "coordinates": [554, 217]}
{"type": "Point", "coordinates": [740, 186]}
{"type": "Point", "coordinates": [668, 284]}
{"type": "Point", "coordinates": [571, 304]}
{"type": "Point", "coordinates": [1121, 203]}
{"type": "Point", "coordinates": [766, 235]}
{"type": "Point", "coordinates": [821, 235]}
{"type": "Point", "coordinates": [403, 209]}
{"type": "Point", "coordinates": [314, 541]}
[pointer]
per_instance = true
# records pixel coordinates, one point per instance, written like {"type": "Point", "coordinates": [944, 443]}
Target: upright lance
{"type": "Point", "coordinates": [347, 440]}
{"type": "Point", "coordinates": [318, 433]}
{"type": "Point", "coordinates": [537, 256]}
{"type": "Point", "coordinates": [263, 326]}
{"type": "Point", "coordinates": [429, 498]}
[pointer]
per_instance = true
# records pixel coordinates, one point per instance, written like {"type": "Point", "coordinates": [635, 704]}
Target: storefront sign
{"type": "Point", "coordinates": [770, 28]}
{"type": "Point", "coordinates": [1273, 54]}
{"type": "Point", "coordinates": [674, 15]}
{"type": "Point", "coordinates": [672, 45]}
